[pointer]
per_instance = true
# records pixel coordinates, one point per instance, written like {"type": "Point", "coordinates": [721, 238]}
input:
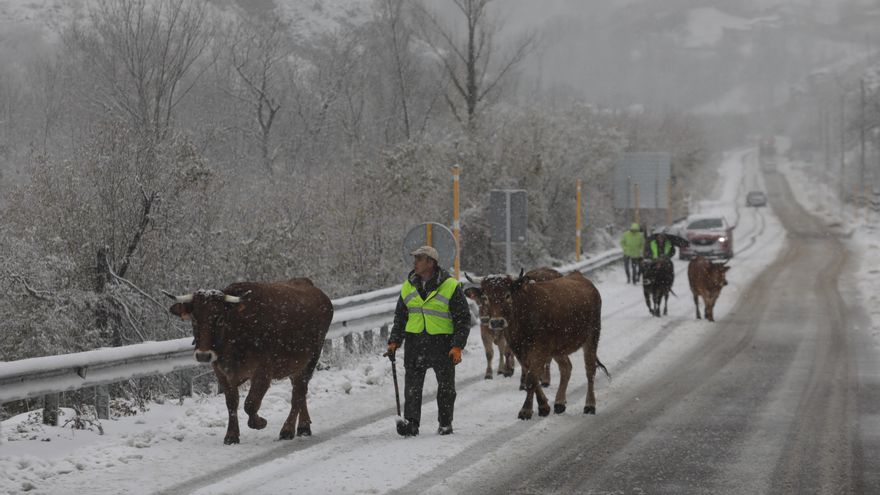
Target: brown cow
{"type": "Point", "coordinates": [260, 332]}
{"type": "Point", "coordinates": [706, 279]}
{"type": "Point", "coordinates": [547, 320]}
{"type": "Point", "coordinates": [490, 338]}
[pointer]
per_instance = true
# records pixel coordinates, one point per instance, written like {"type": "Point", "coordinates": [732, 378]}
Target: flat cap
{"type": "Point", "coordinates": [427, 251]}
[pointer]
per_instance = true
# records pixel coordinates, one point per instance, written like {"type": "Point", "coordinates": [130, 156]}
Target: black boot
{"type": "Point", "coordinates": [407, 428]}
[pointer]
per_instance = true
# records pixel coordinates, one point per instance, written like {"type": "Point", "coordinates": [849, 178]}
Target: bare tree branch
{"type": "Point", "coordinates": [470, 63]}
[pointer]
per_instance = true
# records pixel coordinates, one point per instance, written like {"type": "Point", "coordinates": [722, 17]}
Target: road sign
{"type": "Point", "coordinates": [430, 234]}
{"type": "Point", "coordinates": [507, 204]}
{"type": "Point", "coordinates": [508, 219]}
{"type": "Point", "coordinates": [650, 171]}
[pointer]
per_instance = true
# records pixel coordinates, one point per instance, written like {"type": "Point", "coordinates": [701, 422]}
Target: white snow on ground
{"type": "Point", "coordinates": [172, 443]}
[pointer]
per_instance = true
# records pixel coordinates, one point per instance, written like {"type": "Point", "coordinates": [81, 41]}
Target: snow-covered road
{"type": "Point", "coordinates": [178, 448]}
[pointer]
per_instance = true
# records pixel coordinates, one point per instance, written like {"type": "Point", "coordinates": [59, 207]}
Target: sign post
{"type": "Point", "coordinates": [637, 218]}
{"type": "Point", "coordinates": [577, 239]}
{"type": "Point", "coordinates": [456, 225]}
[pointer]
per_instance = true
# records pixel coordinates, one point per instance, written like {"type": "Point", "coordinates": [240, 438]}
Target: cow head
{"type": "Point", "coordinates": [476, 294]}
{"type": "Point", "coordinates": [496, 299]}
{"type": "Point", "coordinates": [208, 310]}
{"type": "Point", "coordinates": [716, 278]}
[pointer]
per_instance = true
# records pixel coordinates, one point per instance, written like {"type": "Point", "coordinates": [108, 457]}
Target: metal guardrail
{"type": "Point", "coordinates": [36, 377]}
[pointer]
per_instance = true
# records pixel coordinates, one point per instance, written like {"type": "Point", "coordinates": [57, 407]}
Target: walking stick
{"type": "Point", "coordinates": [396, 389]}
{"type": "Point", "coordinates": [402, 424]}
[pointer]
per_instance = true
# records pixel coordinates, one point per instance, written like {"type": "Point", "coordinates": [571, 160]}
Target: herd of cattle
{"type": "Point", "coordinates": [268, 331]}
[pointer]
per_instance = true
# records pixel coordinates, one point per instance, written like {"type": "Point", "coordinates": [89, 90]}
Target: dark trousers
{"type": "Point", "coordinates": [634, 263]}
{"type": "Point", "coordinates": [415, 381]}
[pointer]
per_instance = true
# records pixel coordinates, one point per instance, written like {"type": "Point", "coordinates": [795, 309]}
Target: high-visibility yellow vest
{"type": "Point", "coordinates": [666, 248]}
{"type": "Point", "coordinates": [432, 313]}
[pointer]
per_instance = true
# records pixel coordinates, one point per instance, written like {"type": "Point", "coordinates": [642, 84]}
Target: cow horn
{"type": "Point", "coordinates": [231, 299]}
{"type": "Point", "coordinates": [181, 299]}
{"type": "Point", "coordinates": [475, 280]}
{"type": "Point", "coordinates": [521, 272]}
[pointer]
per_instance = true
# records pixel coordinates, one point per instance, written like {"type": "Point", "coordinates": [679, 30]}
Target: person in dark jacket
{"type": "Point", "coordinates": [433, 320]}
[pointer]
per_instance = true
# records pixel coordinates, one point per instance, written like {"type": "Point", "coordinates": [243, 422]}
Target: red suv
{"type": "Point", "coordinates": [710, 236]}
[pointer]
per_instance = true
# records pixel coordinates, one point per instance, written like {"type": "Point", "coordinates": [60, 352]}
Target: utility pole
{"type": "Point", "coordinates": [842, 147]}
{"type": "Point", "coordinates": [456, 220]}
{"type": "Point", "coordinates": [862, 123]}
{"type": "Point", "coordinates": [577, 239]}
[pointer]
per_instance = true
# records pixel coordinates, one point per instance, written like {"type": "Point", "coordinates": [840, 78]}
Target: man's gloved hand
{"type": "Point", "coordinates": [455, 355]}
{"type": "Point", "coordinates": [392, 349]}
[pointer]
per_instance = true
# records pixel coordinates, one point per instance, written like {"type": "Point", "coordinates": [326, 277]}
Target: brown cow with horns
{"type": "Point", "coordinates": [260, 332]}
{"type": "Point", "coordinates": [543, 321]}
{"type": "Point", "coordinates": [496, 337]}
{"type": "Point", "coordinates": [706, 281]}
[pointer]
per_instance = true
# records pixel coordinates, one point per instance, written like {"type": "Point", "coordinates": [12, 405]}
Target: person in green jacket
{"type": "Point", "coordinates": [633, 244]}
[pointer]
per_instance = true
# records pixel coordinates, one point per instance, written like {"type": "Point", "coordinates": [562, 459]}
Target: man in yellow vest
{"type": "Point", "coordinates": [433, 318]}
{"type": "Point", "coordinates": [660, 247]}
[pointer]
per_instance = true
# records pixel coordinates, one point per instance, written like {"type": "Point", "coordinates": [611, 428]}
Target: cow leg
{"type": "Point", "coordinates": [531, 384]}
{"type": "Point", "coordinates": [259, 385]}
{"type": "Point", "coordinates": [299, 411]}
{"type": "Point", "coordinates": [488, 347]}
{"type": "Point", "coordinates": [231, 394]}
{"type": "Point", "coordinates": [524, 371]}
{"type": "Point", "coordinates": [545, 375]}
{"type": "Point", "coordinates": [543, 402]}
{"type": "Point", "coordinates": [590, 360]}
{"type": "Point", "coordinates": [655, 304]}
{"type": "Point", "coordinates": [648, 300]}
{"type": "Point", "coordinates": [507, 356]}
{"type": "Point", "coordinates": [287, 428]}
{"type": "Point", "coordinates": [665, 303]}
{"type": "Point", "coordinates": [697, 305]}
{"type": "Point", "coordinates": [537, 364]}
{"type": "Point", "coordinates": [710, 309]}
{"type": "Point", "coordinates": [564, 364]}
{"type": "Point", "coordinates": [655, 300]}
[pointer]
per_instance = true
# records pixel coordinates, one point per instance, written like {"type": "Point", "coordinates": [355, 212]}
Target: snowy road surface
{"type": "Point", "coordinates": [780, 395]}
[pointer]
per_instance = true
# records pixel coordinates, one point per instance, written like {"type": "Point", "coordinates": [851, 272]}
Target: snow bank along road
{"type": "Point", "coordinates": [778, 396]}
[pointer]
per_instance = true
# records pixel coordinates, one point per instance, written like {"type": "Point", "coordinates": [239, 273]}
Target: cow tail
{"type": "Point", "coordinates": [599, 364]}
{"type": "Point", "coordinates": [673, 292]}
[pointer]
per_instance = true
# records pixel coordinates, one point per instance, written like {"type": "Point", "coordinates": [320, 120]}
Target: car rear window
{"type": "Point", "coordinates": [706, 223]}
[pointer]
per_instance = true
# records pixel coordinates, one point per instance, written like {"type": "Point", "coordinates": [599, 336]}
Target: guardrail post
{"type": "Point", "coordinates": [348, 342]}
{"type": "Point", "coordinates": [186, 386]}
{"type": "Point", "coordinates": [367, 341]}
{"type": "Point", "coordinates": [102, 402]}
{"type": "Point", "coordinates": [50, 409]}
{"type": "Point", "coordinates": [383, 333]}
